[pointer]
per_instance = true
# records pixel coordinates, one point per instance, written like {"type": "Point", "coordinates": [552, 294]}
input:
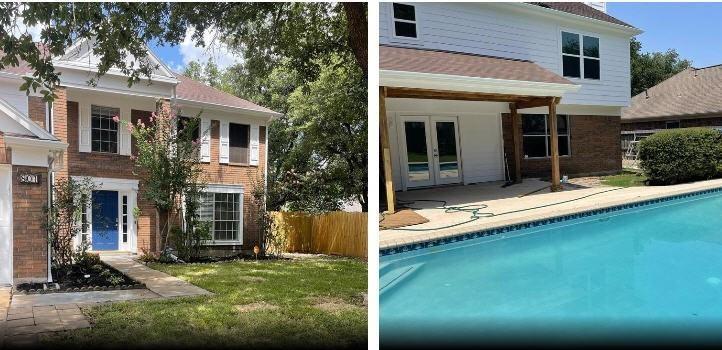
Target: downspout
{"type": "Point", "coordinates": [51, 179]}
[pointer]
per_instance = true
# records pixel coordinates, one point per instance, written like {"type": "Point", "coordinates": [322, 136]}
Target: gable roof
{"type": "Point", "coordinates": [26, 127]}
{"type": "Point", "coordinates": [195, 91]}
{"type": "Point", "coordinates": [581, 9]}
{"type": "Point", "coordinates": [430, 61]}
{"type": "Point", "coordinates": [693, 91]}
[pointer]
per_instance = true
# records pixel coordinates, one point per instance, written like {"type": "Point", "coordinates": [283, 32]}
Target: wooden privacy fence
{"type": "Point", "coordinates": [337, 233]}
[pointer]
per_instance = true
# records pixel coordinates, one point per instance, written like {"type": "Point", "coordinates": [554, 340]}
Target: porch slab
{"type": "Point", "coordinates": [500, 207]}
{"type": "Point", "coordinates": [160, 283]}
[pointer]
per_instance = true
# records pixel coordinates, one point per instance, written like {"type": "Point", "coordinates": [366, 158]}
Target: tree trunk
{"type": "Point", "coordinates": [357, 25]}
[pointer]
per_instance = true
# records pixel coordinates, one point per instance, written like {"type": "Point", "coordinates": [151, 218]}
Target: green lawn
{"type": "Point", "coordinates": [627, 178]}
{"type": "Point", "coordinates": [256, 304]}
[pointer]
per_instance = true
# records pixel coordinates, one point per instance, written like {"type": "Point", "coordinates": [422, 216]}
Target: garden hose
{"type": "Point", "coordinates": [475, 210]}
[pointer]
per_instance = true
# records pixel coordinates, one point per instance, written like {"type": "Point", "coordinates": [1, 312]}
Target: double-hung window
{"type": "Point", "coordinates": [224, 211]}
{"type": "Point", "coordinates": [580, 56]}
{"type": "Point", "coordinates": [537, 139]}
{"type": "Point", "coordinates": [104, 130]}
{"type": "Point", "coordinates": [239, 136]}
{"type": "Point", "coordinates": [405, 21]}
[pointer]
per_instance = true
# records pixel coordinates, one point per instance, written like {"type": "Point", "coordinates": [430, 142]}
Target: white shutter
{"type": "Point", "coordinates": [253, 159]}
{"type": "Point", "coordinates": [84, 124]}
{"type": "Point", "coordinates": [223, 158]}
{"type": "Point", "coordinates": [205, 140]}
{"type": "Point", "coordinates": [124, 133]}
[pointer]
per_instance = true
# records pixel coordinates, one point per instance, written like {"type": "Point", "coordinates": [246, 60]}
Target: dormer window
{"type": "Point", "coordinates": [405, 21]}
{"type": "Point", "coordinates": [580, 56]}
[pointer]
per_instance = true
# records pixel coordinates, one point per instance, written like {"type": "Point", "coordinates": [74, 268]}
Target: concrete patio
{"type": "Point", "coordinates": [515, 204]}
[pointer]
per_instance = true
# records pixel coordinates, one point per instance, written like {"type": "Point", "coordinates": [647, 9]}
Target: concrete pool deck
{"type": "Point", "coordinates": [513, 198]}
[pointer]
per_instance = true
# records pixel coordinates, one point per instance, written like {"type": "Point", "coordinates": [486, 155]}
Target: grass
{"type": "Point", "coordinates": [627, 178]}
{"type": "Point", "coordinates": [292, 288]}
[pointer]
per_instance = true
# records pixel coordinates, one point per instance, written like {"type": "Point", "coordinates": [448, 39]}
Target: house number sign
{"type": "Point", "coordinates": [29, 178]}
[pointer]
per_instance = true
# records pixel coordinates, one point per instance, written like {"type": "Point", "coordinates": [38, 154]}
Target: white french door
{"type": "Point", "coordinates": [430, 150]}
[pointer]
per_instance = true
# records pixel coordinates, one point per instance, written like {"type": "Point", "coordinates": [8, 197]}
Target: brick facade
{"type": "Point", "coordinates": [36, 110]}
{"type": "Point", "coordinates": [595, 148]}
{"type": "Point", "coordinates": [706, 121]}
{"type": "Point", "coordinates": [30, 245]}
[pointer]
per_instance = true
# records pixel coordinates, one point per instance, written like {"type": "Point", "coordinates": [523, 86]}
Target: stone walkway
{"type": "Point", "coordinates": [160, 283]}
{"type": "Point", "coordinates": [24, 317]}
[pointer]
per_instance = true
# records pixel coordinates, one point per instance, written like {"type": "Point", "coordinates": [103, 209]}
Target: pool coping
{"type": "Point", "coordinates": [447, 236]}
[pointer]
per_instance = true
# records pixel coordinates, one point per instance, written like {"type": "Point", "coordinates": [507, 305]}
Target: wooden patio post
{"type": "Point", "coordinates": [386, 152]}
{"type": "Point", "coordinates": [556, 185]}
{"type": "Point", "coordinates": [516, 138]}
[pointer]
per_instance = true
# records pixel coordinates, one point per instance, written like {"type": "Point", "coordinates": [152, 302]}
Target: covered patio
{"type": "Point", "coordinates": [433, 75]}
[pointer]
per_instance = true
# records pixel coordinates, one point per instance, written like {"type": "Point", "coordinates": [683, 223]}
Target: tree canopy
{"type": "Point", "coordinates": [651, 68]}
{"type": "Point", "coordinates": [305, 60]}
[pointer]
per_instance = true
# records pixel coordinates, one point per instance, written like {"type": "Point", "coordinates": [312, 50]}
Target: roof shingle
{"type": "Point", "coordinates": [690, 92]}
{"type": "Point", "coordinates": [463, 64]}
{"type": "Point", "coordinates": [581, 9]}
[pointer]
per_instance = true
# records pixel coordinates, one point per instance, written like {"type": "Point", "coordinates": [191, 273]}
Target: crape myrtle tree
{"type": "Point", "coordinates": [286, 47]}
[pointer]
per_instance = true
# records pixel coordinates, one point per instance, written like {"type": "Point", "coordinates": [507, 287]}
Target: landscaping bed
{"type": "Point", "coordinates": [92, 275]}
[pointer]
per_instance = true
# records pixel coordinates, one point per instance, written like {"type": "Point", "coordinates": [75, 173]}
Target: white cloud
{"type": "Point", "coordinates": [214, 49]}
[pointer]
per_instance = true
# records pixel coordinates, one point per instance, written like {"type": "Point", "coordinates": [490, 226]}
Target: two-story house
{"type": "Point", "coordinates": [75, 136]}
{"type": "Point", "coordinates": [477, 92]}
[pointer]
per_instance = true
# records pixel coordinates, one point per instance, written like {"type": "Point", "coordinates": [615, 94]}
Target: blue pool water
{"type": "Point", "coordinates": [653, 271]}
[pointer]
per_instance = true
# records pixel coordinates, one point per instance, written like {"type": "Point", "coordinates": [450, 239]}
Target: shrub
{"type": "Point", "coordinates": [681, 155]}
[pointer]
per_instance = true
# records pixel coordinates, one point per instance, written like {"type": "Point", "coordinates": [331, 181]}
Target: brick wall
{"type": "Point", "coordinates": [30, 245]}
{"type": "Point", "coordinates": [36, 110]}
{"type": "Point", "coordinates": [5, 157]}
{"type": "Point", "coordinates": [713, 120]}
{"type": "Point", "coordinates": [595, 148]}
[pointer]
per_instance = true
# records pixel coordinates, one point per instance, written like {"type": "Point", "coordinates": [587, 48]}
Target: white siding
{"type": "Point", "coordinates": [499, 30]}
{"type": "Point", "coordinates": [9, 91]}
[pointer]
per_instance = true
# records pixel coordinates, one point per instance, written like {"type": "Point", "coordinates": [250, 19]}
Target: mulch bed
{"type": "Point", "coordinates": [95, 278]}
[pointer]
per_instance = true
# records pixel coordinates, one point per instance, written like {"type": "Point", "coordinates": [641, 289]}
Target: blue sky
{"type": "Point", "coordinates": [176, 57]}
{"type": "Point", "coordinates": [693, 29]}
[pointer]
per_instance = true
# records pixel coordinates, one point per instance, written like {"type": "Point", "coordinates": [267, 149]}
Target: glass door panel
{"type": "Point", "coordinates": [446, 151]}
{"type": "Point", "coordinates": [418, 163]}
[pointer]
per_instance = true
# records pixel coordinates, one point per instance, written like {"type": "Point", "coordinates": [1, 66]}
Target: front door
{"type": "Point", "coordinates": [430, 151]}
{"type": "Point", "coordinates": [105, 220]}
{"type": "Point", "coordinates": [6, 225]}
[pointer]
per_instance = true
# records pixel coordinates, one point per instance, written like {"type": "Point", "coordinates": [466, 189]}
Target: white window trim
{"type": "Point", "coordinates": [580, 56]}
{"type": "Point", "coordinates": [234, 189]}
{"type": "Point", "coordinates": [394, 20]}
{"type": "Point", "coordinates": [118, 132]}
{"type": "Point", "coordinates": [547, 136]}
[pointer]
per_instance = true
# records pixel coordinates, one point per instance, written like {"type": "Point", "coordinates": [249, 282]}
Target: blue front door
{"type": "Point", "coordinates": [105, 220]}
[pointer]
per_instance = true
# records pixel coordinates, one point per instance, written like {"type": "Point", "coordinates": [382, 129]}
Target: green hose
{"type": "Point", "coordinates": [476, 210]}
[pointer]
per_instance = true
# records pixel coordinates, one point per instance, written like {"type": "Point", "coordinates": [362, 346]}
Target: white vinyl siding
{"type": "Point", "coordinates": [495, 30]}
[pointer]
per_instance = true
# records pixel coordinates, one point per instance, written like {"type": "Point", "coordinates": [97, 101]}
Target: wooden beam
{"type": "Point", "coordinates": [516, 139]}
{"type": "Point", "coordinates": [429, 94]}
{"type": "Point", "coordinates": [386, 152]}
{"type": "Point", "coordinates": [554, 136]}
{"type": "Point", "coordinates": [535, 102]}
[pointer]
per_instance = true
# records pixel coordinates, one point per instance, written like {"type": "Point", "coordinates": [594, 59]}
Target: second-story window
{"type": "Point", "coordinates": [580, 56]}
{"type": "Point", "coordinates": [239, 136]}
{"type": "Point", "coordinates": [404, 21]}
{"type": "Point", "coordinates": [104, 134]}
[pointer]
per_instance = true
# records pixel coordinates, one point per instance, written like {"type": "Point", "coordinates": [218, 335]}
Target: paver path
{"type": "Point", "coordinates": [161, 283]}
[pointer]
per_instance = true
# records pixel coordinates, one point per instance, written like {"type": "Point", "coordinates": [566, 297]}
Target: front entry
{"type": "Point", "coordinates": [105, 220]}
{"type": "Point", "coordinates": [430, 150]}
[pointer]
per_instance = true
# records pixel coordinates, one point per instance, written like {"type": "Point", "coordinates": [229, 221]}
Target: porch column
{"type": "Point", "coordinates": [386, 152]}
{"type": "Point", "coordinates": [556, 185]}
{"type": "Point", "coordinates": [516, 138]}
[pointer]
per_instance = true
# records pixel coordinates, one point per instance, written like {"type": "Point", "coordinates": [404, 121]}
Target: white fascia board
{"type": "Point", "coordinates": [226, 108]}
{"type": "Point", "coordinates": [112, 71]}
{"type": "Point", "coordinates": [113, 91]}
{"type": "Point", "coordinates": [472, 84]}
{"type": "Point", "coordinates": [35, 143]}
{"type": "Point", "coordinates": [538, 10]}
{"type": "Point", "coordinates": [224, 188]}
{"type": "Point", "coordinates": [21, 119]}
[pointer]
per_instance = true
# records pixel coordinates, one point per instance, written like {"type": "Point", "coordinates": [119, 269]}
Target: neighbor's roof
{"type": "Point", "coordinates": [581, 9]}
{"type": "Point", "coordinates": [693, 91]}
{"type": "Point", "coordinates": [463, 64]}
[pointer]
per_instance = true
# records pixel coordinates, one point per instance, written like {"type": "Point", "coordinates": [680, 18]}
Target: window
{"type": "Point", "coordinates": [580, 56]}
{"type": "Point", "coordinates": [84, 224]}
{"type": "Point", "coordinates": [404, 21]}
{"type": "Point", "coordinates": [536, 139]}
{"type": "Point", "coordinates": [673, 124]}
{"type": "Point", "coordinates": [124, 220]}
{"type": "Point", "coordinates": [239, 135]}
{"type": "Point", "coordinates": [104, 129]}
{"type": "Point", "coordinates": [183, 121]}
{"type": "Point", "coordinates": [223, 210]}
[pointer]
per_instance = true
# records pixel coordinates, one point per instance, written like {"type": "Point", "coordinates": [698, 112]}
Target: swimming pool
{"type": "Point", "coordinates": [651, 271]}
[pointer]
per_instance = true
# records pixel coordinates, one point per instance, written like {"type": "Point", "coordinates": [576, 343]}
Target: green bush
{"type": "Point", "coordinates": [681, 155]}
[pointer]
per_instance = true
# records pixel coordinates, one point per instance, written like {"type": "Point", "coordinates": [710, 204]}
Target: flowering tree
{"type": "Point", "coordinates": [166, 157]}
